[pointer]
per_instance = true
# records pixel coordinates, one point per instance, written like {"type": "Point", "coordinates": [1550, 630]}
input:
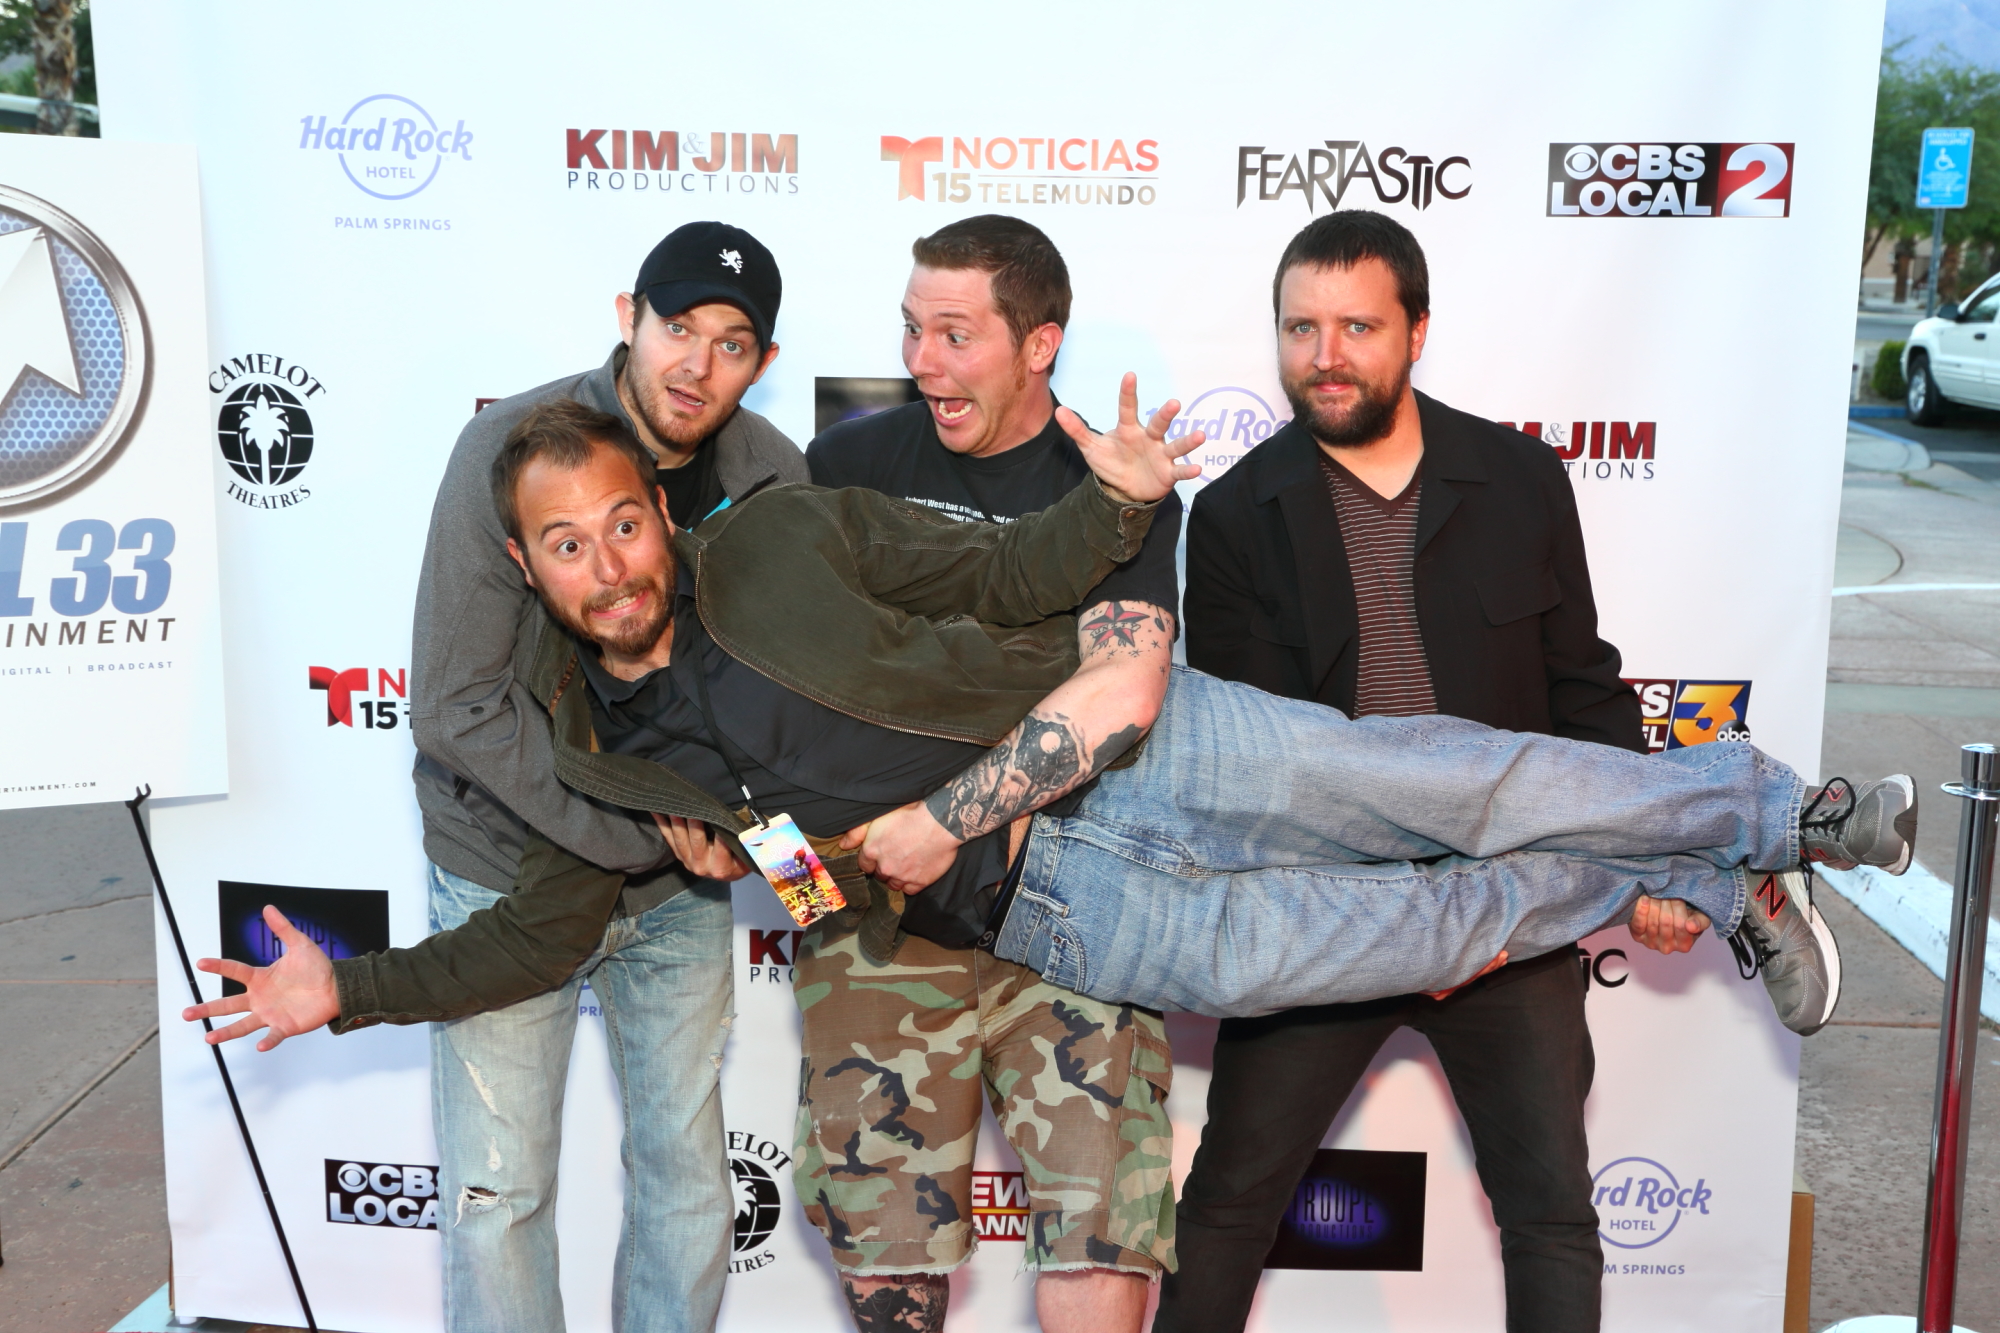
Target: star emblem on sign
{"type": "Point", "coordinates": [1117, 624]}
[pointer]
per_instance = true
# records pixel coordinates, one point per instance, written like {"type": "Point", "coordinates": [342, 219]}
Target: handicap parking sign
{"type": "Point", "coordinates": [1944, 168]}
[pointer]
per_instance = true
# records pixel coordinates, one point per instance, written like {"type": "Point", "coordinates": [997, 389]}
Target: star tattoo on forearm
{"type": "Point", "coordinates": [1118, 625]}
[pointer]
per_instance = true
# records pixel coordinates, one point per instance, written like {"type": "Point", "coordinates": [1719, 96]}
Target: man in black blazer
{"type": "Point", "coordinates": [1384, 553]}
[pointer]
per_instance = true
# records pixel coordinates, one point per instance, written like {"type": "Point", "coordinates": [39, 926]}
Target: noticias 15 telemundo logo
{"type": "Point", "coordinates": [1680, 180]}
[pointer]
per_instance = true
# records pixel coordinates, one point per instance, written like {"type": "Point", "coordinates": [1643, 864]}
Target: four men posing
{"type": "Point", "coordinates": [1384, 554]}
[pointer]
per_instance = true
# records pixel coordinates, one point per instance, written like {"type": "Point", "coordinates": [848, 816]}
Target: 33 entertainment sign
{"type": "Point", "coordinates": [1680, 180]}
{"type": "Point", "coordinates": [74, 355]}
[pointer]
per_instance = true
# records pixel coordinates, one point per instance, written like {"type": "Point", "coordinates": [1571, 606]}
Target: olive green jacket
{"type": "Point", "coordinates": [882, 609]}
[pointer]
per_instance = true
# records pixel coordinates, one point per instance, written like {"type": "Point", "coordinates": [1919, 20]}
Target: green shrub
{"type": "Point", "coordinates": [1887, 381]}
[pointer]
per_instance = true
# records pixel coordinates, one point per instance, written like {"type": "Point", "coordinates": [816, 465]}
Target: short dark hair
{"type": "Point", "coordinates": [1030, 280]}
{"type": "Point", "coordinates": [564, 433]}
{"type": "Point", "coordinates": [1343, 239]}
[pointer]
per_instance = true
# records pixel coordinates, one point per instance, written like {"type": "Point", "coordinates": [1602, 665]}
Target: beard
{"type": "Point", "coordinates": [1370, 417]}
{"type": "Point", "coordinates": [654, 409]}
{"type": "Point", "coordinates": [633, 636]}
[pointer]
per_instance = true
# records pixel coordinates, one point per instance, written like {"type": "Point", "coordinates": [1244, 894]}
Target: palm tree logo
{"type": "Point", "coordinates": [265, 434]}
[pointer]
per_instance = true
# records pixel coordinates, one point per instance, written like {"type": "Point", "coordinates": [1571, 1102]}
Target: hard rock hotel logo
{"type": "Point", "coordinates": [1018, 171]}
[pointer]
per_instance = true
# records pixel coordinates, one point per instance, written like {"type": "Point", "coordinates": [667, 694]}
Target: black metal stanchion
{"type": "Point", "coordinates": [222, 1066]}
{"type": "Point", "coordinates": [1965, 973]}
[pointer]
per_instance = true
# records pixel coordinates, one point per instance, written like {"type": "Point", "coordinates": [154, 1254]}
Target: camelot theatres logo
{"type": "Point", "coordinates": [1324, 174]}
{"type": "Point", "coordinates": [264, 427]}
{"type": "Point", "coordinates": [1018, 171]}
{"type": "Point", "coordinates": [1232, 420]}
{"type": "Point", "coordinates": [651, 162]}
{"type": "Point", "coordinates": [1599, 450]}
{"type": "Point", "coordinates": [755, 1164]}
{"type": "Point", "coordinates": [350, 694]}
{"type": "Point", "coordinates": [74, 354]}
{"type": "Point", "coordinates": [1681, 713]}
{"type": "Point", "coordinates": [1675, 180]}
{"type": "Point", "coordinates": [1640, 1202]}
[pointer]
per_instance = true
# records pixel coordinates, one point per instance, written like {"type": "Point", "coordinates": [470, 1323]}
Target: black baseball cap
{"type": "Point", "coordinates": [712, 261]}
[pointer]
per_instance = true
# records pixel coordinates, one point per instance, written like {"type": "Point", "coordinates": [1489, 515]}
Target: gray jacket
{"type": "Point", "coordinates": [483, 777]}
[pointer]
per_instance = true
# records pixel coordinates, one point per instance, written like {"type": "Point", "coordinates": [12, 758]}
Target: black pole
{"type": "Point", "coordinates": [222, 1067]}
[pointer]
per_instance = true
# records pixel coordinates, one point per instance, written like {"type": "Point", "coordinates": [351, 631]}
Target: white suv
{"type": "Point", "coordinates": [1955, 357]}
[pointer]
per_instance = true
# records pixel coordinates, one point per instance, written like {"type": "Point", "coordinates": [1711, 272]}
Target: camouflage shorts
{"type": "Point", "coordinates": [896, 1056]}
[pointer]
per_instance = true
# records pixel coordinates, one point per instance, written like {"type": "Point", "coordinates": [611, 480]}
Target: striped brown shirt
{"type": "Point", "coordinates": [1381, 540]}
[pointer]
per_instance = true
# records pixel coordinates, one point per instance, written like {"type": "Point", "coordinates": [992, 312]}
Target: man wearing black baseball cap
{"type": "Point", "coordinates": [696, 332]}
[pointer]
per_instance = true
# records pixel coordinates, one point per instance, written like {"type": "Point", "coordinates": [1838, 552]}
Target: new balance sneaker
{"type": "Point", "coordinates": [1784, 937]}
{"type": "Point", "coordinates": [1874, 824]}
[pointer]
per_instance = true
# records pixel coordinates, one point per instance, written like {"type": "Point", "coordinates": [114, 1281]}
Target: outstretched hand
{"type": "Point", "coordinates": [293, 995]}
{"type": "Point", "coordinates": [1135, 462]}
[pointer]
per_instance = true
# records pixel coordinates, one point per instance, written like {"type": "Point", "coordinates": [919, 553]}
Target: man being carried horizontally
{"type": "Point", "coordinates": [1255, 854]}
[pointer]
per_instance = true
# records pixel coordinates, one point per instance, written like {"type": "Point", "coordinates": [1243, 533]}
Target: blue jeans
{"type": "Point", "coordinates": [1267, 853]}
{"type": "Point", "coordinates": [664, 984]}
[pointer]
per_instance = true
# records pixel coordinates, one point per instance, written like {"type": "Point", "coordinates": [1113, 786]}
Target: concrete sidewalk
{"type": "Point", "coordinates": [1912, 676]}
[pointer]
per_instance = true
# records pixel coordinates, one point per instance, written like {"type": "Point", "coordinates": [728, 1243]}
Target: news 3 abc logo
{"type": "Point", "coordinates": [1680, 713]}
{"type": "Point", "coordinates": [373, 1194]}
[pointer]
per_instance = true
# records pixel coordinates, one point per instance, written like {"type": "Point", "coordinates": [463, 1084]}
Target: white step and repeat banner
{"type": "Point", "coordinates": [1641, 226]}
{"type": "Point", "coordinates": [110, 641]}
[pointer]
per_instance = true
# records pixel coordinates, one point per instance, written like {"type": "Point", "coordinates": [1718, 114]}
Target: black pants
{"type": "Point", "coordinates": [1518, 1055]}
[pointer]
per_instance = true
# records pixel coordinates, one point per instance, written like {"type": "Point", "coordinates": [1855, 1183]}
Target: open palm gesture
{"type": "Point", "coordinates": [1135, 462]}
{"type": "Point", "coordinates": [293, 995]}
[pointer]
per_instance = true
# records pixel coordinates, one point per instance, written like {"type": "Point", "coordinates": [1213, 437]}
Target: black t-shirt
{"type": "Point", "coordinates": [898, 453]}
{"type": "Point", "coordinates": [693, 490]}
{"type": "Point", "coordinates": [827, 770]}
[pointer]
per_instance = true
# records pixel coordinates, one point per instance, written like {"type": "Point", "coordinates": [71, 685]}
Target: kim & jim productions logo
{"type": "Point", "coordinates": [74, 352]}
{"type": "Point", "coordinates": [264, 428]}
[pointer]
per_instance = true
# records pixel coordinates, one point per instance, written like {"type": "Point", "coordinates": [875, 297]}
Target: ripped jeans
{"type": "Point", "coordinates": [663, 984]}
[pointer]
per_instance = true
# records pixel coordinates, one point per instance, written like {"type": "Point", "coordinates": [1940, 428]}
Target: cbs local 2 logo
{"type": "Point", "coordinates": [1681, 180]}
{"type": "Point", "coordinates": [373, 1194]}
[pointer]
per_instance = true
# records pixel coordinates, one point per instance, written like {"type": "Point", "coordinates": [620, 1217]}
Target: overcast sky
{"type": "Point", "coordinates": [1967, 29]}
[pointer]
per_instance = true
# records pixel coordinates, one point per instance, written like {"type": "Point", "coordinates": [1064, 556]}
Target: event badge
{"type": "Point", "coordinates": [789, 862]}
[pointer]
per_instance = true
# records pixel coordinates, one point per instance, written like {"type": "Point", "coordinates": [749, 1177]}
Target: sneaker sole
{"type": "Point", "coordinates": [1829, 949]}
{"type": "Point", "coordinates": [1905, 823]}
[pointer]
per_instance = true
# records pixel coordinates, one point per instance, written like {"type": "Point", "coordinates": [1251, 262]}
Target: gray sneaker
{"type": "Point", "coordinates": [1784, 937]}
{"type": "Point", "coordinates": [1874, 824]}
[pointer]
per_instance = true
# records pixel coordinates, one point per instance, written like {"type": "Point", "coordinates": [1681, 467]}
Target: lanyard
{"type": "Point", "coordinates": [715, 740]}
{"type": "Point", "coordinates": [719, 745]}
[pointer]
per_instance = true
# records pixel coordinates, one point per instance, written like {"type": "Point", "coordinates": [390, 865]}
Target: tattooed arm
{"type": "Point", "coordinates": [1087, 722]}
